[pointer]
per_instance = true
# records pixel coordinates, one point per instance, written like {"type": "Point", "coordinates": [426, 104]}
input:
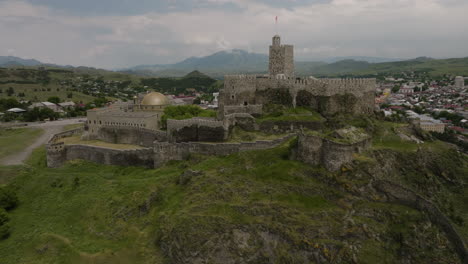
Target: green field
{"type": "Point", "coordinates": [15, 140]}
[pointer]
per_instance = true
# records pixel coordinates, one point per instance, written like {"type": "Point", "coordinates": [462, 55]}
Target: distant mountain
{"type": "Point", "coordinates": [6, 61]}
{"type": "Point", "coordinates": [217, 64]}
{"type": "Point", "coordinates": [362, 58]}
{"type": "Point", "coordinates": [196, 74]}
{"type": "Point", "coordinates": [238, 61]}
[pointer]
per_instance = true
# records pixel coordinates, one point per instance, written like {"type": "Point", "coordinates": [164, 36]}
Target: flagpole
{"type": "Point", "coordinates": [276, 25]}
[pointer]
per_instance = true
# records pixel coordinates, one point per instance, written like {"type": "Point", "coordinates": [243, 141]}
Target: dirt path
{"type": "Point", "coordinates": [50, 128]}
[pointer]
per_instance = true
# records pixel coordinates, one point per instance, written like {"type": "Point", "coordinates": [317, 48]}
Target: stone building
{"type": "Point", "coordinates": [248, 93]}
{"type": "Point", "coordinates": [144, 113]}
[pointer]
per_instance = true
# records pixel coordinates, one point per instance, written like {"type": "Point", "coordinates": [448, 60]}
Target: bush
{"type": "Point", "coordinates": [8, 198]}
{"type": "Point", "coordinates": [4, 226]}
{"type": "Point", "coordinates": [184, 112]}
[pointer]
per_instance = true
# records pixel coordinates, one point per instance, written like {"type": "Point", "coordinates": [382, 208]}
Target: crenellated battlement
{"type": "Point", "coordinates": [319, 87]}
{"type": "Point", "coordinates": [173, 124]}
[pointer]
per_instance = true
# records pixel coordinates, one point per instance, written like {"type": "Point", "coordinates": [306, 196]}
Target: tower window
{"type": "Point", "coordinates": [245, 103]}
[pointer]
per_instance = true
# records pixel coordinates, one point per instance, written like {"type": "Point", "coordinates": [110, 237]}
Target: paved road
{"type": "Point", "coordinates": [50, 128]}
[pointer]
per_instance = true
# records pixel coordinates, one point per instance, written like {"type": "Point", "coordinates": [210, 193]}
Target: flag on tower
{"type": "Point", "coordinates": [276, 19]}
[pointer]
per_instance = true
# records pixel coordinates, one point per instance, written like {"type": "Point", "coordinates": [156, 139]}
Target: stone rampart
{"type": "Point", "coordinates": [196, 129]}
{"type": "Point", "coordinates": [279, 127]}
{"type": "Point", "coordinates": [68, 133]}
{"type": "Point", "coordinates": [130, 135]}
{"type": "Point", "coordinates": [316, 150]}
{"type": "Point", "coordinates": [399, 194]}
{"type": "Point", "coordinates": [165, 152]}
{"type": "Point", "coordinates": [328, 96]}
{"type": "Point", "coordinates": [319, 87]}
{"type": "Point", "coordinates": [247, 109]}
{"type": "Point", "coordinates": [58, 153]}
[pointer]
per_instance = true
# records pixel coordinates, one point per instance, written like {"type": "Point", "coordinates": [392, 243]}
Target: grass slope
{"type": "Point", "coordinates": [15, 140]}
{"type": "Point", "coordinates": [89, 213]}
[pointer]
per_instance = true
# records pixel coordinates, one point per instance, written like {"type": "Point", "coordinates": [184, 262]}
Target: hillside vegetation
{"type": "Point", "coordinates": [251, 207]}
{"type": "Point", "coordinates": [15, 140]}
{"type": "Point", "coordinates": [39, 84]}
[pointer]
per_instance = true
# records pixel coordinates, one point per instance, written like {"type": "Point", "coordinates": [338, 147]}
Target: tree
{"type": "Point", "coordinates": [395, 89]}
{"type": "Point", "coordinates": [10, 91]}
{"type": "Point", "coordinates": [100, 102]}
{"type": "Point", "coordinates": [8, 103]}
{"type": "Point", "coordinates": [40, 114]}
{"type": "Point", "coordinates": [54, 99]}
{"type": "Point", "coordinates": [70, 95]}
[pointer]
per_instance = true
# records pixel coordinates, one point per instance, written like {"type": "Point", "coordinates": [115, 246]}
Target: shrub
{"type": "Point", "coordinates": [184, 112]}
{"type": "Point", "coordinates": [8, 198]}
{"type": "Point", "coordinates": [4, 226]}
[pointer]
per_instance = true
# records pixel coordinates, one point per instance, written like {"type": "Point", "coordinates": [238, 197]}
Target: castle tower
{"type": "Point", "coordinates": [281, 58]}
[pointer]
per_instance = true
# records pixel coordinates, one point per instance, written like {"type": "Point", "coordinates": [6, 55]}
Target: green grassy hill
{"type": "Point", "coordinates": [434, 67]}
{"type": "Point", "coordinates": [253, 207]}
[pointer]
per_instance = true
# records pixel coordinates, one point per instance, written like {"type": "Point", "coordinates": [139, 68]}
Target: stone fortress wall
{"type": "Point", "coordinates": [196, 129]}
{"type": "Point", "coordinates": [248, 93]}
{"type": "Point", "coordinates": [59, 153]}
{"type": "Point", "coordinates": [326, 96]}
{"type": "Point", "coordinates": [165, 151]}
{"type": "Point", "coordinates": [316, 150]}
{"type": "Point", "coordinates": [129, 135]}
{"type": "Point", "coordinates": [157, 154]}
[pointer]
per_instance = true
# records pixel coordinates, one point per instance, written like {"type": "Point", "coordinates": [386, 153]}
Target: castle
{"type": "Point", "coordinates": [248, 93]}
{"type": "Point", "coordinates": [242, 100]}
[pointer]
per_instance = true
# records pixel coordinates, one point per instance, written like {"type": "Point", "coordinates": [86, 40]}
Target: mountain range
{"type": "Point", "coordinates": [239, 61]}
{"type": "Point", "coordinates": [242, 62]}
{"type": "Point", "coordinates": [11, 61]}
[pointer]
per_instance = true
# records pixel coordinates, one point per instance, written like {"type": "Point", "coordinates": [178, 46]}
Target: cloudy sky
{"type": "Point", "coordinates": [121, 33]}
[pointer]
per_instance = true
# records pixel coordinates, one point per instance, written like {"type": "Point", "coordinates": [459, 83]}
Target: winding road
{"type": "Point", "coordinates": [50, 128]}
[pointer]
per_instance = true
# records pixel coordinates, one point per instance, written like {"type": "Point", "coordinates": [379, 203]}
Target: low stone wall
{"type": "Point", "coordinates": [162, 152]}
{"type": "Point", "coordinates": [288, 126]}
{"type": "Point", "coordinates": [165, 152]}
{"type": "Point", "coordinates": [196, 129]}
{"type": "Point", "coordinates": [136, 157]}
{"type": "Point", "coordinates": [256, 110]}
{"type": "Point", "coordinates": [332, 155]}
{"type": "Point", "coordinates": [129, 135]}
{"type": "Point", "coordinates": [399, 194]}
{"type": "Point", "coordinates": [59, 153]}
{"type": "Point", "coordinates": [68, 133]}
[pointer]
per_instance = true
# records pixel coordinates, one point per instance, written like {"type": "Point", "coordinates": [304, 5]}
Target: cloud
{"type": "Point", "coordinates": [318, 29]}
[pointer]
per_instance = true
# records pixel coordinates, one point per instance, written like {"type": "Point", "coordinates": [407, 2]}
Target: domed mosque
{"type": "Point", "coordinates": [153, 101]}
{"type": "Point", "coordinates": [144, 112]}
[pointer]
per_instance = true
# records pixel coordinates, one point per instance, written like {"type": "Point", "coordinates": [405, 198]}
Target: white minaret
{"type": "Point", "coordinates": [460, 82]}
